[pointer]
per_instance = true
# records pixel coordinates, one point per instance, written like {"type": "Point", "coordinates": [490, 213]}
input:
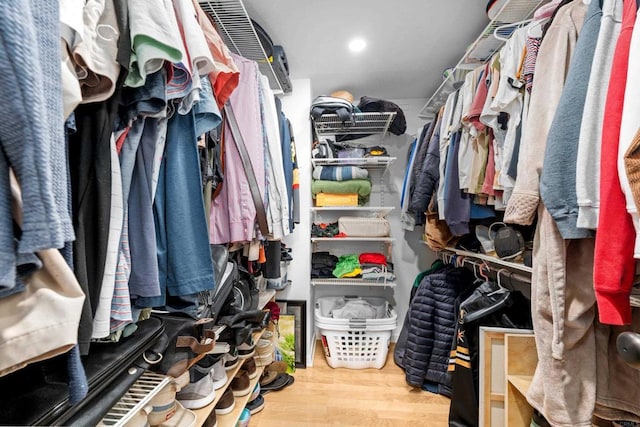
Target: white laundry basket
{"type": "Point", "coordinates": [355, 343]}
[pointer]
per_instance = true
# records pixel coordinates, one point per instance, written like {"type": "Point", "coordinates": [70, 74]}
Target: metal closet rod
{"type": "Point", "coordinates": [462, 259]}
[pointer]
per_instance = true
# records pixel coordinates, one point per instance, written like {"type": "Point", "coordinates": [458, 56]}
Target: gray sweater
{"type": "Point", "coordinates": [558, 178]}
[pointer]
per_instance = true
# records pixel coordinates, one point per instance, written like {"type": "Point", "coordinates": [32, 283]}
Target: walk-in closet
{"type": "Point", "coordinates": [236, 213]}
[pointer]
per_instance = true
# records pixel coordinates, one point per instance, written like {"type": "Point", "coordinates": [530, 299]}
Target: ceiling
{"type": "Point", "coordinates": [409, 42]}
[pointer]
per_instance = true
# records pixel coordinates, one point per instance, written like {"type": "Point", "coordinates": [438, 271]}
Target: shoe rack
{"type": "Point", "coordinates": [230, 419]}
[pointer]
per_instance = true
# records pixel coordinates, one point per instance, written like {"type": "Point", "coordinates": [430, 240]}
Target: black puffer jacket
{"type": "Point", "coordinates": [427, 179]}
{"type": "Point", "coordinates": [432, 323]}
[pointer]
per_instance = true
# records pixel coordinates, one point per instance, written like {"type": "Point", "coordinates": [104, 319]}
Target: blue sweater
{"type": "Point", "coordinates": [32, 131]}
{"type": "Point", "coordinates": [558, 178]}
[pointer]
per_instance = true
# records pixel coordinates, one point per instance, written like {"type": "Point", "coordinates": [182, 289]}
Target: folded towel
{"type": "Point", "coordinates": [360, 186]}
{"type": "Point", "coordinates": [339, 173]}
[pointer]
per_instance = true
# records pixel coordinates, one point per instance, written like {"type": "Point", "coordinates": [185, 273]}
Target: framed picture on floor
{"type": "Point", "coordinates": [298, 309]}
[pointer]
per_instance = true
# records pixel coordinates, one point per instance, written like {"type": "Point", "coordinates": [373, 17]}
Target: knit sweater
{"type": "Point", "coordinates": [588, 176]}
{"type": "Point", "coordinates": [614, 266]}
{"type": "Point", "coordinates": [552, 65]}
{"type": "Point", "coordinates": [558, 178]}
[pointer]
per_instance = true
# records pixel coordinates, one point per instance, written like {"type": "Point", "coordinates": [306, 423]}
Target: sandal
{"type": "Point", "coordinates": [281, 381]}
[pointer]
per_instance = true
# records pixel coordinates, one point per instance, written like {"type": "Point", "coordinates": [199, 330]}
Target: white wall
{"type": "Point", "coordinates": [296, 107]}
{"type": "Point", "coordinates": [410, 255]}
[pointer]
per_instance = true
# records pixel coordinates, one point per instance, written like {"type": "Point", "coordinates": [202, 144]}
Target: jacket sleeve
{"type": "Point", "coordinates": [427, 179]}
{"type": "Point", "coordinates": [551, 68]}
{"type": "Point", "coordinates": [423, 141]}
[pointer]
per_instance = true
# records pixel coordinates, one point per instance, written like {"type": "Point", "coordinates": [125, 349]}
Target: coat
{"type": "Point", "coordinates": [431, 327]}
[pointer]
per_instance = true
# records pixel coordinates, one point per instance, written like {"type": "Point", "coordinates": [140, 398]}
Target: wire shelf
{"type": "Point", "coordinates": [353, 239]}
{"type": "Point", "coordinates": [483, 48]}
{"type": "Point", "coordinates": [367, 162]}
{"type": "Point", "coordinates": [237, 32]}
{"type": "Point", "coordinates": [352, 282]}
{"type": "Point", "coordinates": [135, 399]}
{"type": "Point", "coordinates": [362, 123]}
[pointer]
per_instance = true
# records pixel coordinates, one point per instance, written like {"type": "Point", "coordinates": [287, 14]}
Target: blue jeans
{"type": "Point", "coordinates": [184, 256]}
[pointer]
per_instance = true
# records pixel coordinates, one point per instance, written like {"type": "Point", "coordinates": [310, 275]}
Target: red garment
{"type": "Point", "coordinates": [479, 100]}
{"type": "Point", "coordinates": [121, 139]}
{"type": "Point", "coordinates": [490, 172]}
{"type": "Point", "coordinates": [372, 258]}
{"type": "Point", "coordinates": [614, 265]}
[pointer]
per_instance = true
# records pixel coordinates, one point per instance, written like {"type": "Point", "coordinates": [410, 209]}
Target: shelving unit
{"type": "Point", "coordinates": [520, 363]}
{"type": "Point", "coordinates": [361, 123]}
{"type": "Point", "coordinates": [231, 418]}
{"type": "Point", "coordinates": [378, 168]}
{"type": "Point", "coordinates": [151, 383]}
{"type": "Point", "coordinates": [483, 48]}
{"type": "Point", "coordinates": [507, 362]}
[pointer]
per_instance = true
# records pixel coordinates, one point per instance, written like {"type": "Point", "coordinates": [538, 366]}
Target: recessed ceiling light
{"type": "Point", "coordinates": [357, 45]}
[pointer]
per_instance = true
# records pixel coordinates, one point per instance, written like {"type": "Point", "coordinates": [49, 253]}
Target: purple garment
{"type": "Point", "coordinates": [233, 213]}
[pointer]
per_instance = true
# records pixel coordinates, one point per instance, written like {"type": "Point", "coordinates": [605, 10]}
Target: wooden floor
{"type": "Point", "coordinates": [323, 396]}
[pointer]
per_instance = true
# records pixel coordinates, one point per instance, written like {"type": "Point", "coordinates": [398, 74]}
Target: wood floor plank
{"type": "Point", "coordinates": [323, 396]}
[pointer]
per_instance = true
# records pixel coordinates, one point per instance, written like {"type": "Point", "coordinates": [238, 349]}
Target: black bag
{"type": "Point", "coordinates": [276, 56]}
{"type": "Point", "coordinates": [332, 105]}
{"type": "Point", "coordinates": [212, 302]}
{"type": "Point", "coordinates": [38, 394]}
{"type": "Point", "coordinates": [244, 295]}
{"type": "Point", "coordinates": [373, 105]}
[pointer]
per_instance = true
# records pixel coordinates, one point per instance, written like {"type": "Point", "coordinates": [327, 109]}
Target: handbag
{"type": "Point", "coordinates": [41, 321]}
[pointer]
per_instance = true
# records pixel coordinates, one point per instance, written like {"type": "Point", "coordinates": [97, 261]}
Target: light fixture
{"type": "Point", "coordinates": [357, 45]}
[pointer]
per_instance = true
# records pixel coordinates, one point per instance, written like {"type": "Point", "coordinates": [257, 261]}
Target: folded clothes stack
{"type": "Point", "coordinates": [322, 265]}
{"type": "Point", "coordinates": [361, 187]}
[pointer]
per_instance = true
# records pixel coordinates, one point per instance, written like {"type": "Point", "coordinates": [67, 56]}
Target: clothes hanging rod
{"type": "Point", "coordinates": [449, 257]}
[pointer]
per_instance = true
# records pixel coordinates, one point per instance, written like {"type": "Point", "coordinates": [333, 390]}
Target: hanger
{"type": "Point", "coordinates": [502, 270]}
{"type": "Point", "coordinates": [504, 32]}
{"type": "Point", "coordinates": [482, 273]}
{"type": "Point", "coordinates": [460, 261]}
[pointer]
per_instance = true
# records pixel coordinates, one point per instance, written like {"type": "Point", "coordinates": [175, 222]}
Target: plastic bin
{"type": "Point", "coordinates": [355, 343]}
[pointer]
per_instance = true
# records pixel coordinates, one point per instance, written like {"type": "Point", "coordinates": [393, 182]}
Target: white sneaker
{"type": "Point", "coordinates": [219, 374]}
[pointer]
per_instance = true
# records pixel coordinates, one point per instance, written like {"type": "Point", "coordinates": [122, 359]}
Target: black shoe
{"type": "Point", "coordinates": [256, 405]}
